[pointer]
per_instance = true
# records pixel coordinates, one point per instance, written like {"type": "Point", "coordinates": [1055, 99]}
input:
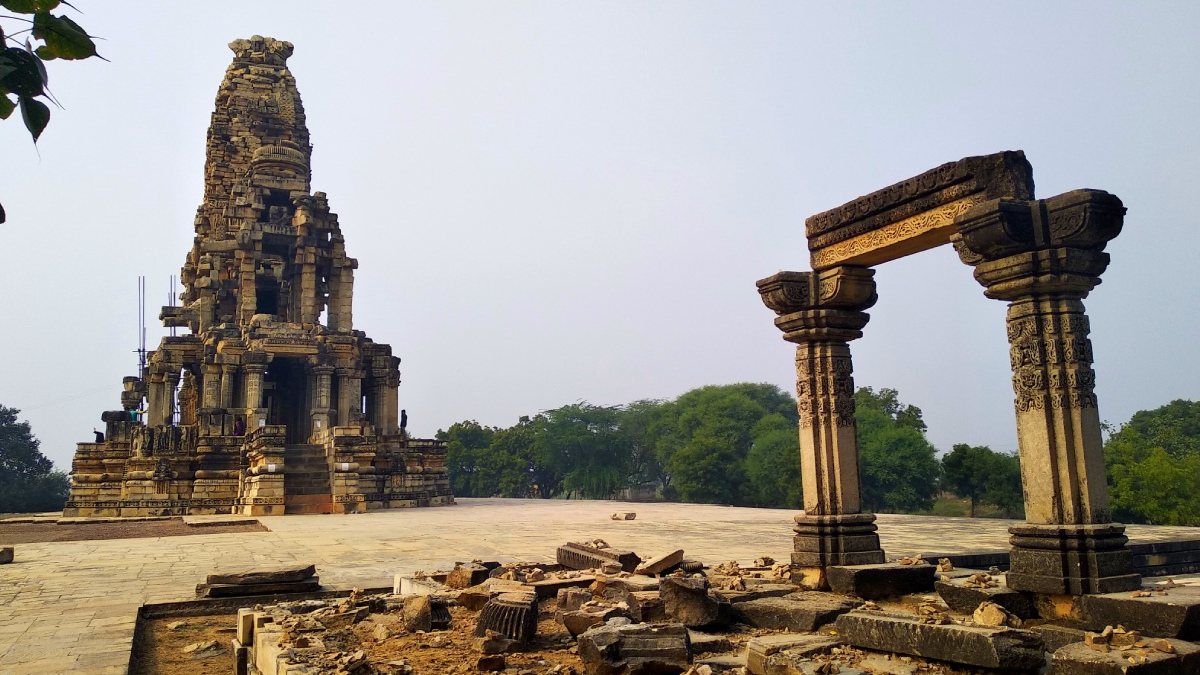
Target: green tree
{"type": "Point", "coordinates": [1153, 466]}
{"type": "Point", "coordinates": [898, 468]}
{"type": "Point", "coordinates": [28, 481]}
{"type": "Point", "coordinates": [22, 65]}
{"type": "Point", "coordinates": [466, 459]}
{"type": "Point", "coordinates": [982, 475]}
{"type": "Point", "coordinates": [708, 471]}
{"type": "Point", "coordinates": [773, 464]}
{"type": "Point", "coordinates": [585, 445]}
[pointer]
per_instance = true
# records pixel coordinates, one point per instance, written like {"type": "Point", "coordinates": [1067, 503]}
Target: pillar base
{"type": "Point", "coordinates": [848, 539]}
{"type": "Point", "coordinates": [1071, 559]}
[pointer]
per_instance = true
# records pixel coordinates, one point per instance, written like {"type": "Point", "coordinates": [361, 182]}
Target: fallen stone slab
{"type": "Point", "coordinates": [882, 580]}
{"type": "Point", "coordinates": [798, 612]}
{"type": "Point", "coordinates": [755, 592]}
{"type": "Point", "coordinates": [1174, 615]}
{"type": "Point", "coordinates": [409, 585]}
{"type": "Point", "coordinates": [579, 621]}
{"type": "Point", "coordinates": [966, 599]}
{"type": "Point", "coordinates": [466, 575]}
{"type": "Point", "coordinates": [475, 597]}
{"type": "Point", "coordinates": [786, 664]}
{"type": "Point", "coordinates": [662, 563]}
{"type": "Point", "coordinates": [688, 601]}
{"type": "Point", "coordinates": [617, 587]}
{"type": "Point", "coordinates": [1080, 659]}
{"type": "Point", "coordinates": [707, 643]}
{"type": "Point", "coordinates": [638, 649]}
{"type": "Point", "coordinates": [237, 590]}
{"type": "Point", "coordinates": [265, 576]}
{"type": "Point", "coordinates": [1056, 636]}
{"type": "Point", "coordinates": [724, 663]}
{"type": "Point", "coordinates": [6, 555]}
{"type": "Point", "coordinates": [579, 556]}
{"type": "Point", "coordinates": [549, 588]}
{"type": "Point", "coordinates": [624, 515]}
{"type": "Point", "coordinates": [970, 645]}
{"type": "Point", "coordinates": [760, 648]}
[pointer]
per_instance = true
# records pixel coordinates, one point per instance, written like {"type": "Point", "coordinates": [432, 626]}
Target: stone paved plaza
{"type": "Point", "coordinates": [71, 606]}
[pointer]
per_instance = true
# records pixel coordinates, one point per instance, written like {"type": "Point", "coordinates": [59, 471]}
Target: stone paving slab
{"type": "Point", "coordinates": [71, 606]}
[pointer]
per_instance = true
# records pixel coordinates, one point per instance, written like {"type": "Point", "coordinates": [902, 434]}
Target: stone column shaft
{"type": "Point", "coordinates": [211, 397]}
{"type": "Point", "coordinates": [228, 373]}
{"type": "Point", "coordinates": [828, 441]}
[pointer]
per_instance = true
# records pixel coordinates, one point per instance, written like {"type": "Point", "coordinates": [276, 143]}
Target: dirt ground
{"type": "Point", "coordinates": [29, 533]}
{"type": "Point", "coordinates": [161, 647]}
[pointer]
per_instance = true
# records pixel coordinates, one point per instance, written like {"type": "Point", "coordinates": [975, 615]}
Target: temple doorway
{"type": "Point", "coordinates": [285, 389]}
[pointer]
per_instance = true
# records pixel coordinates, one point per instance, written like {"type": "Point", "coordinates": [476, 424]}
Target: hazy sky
{"type": "Point", "coordinates": [563, 201]}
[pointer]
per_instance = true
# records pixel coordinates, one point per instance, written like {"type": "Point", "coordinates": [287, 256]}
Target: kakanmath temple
{"type": "Point", "coordinates": [272, 403]}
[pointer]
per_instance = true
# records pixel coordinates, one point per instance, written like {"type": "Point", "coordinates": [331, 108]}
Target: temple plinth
{"type": "Point", "coordinates": [271, 402]}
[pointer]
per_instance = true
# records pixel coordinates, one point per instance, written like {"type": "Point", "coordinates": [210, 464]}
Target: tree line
{"type": "Point", "coordinates": [724, 444]}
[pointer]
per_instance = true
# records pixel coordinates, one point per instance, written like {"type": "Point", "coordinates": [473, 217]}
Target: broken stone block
{"type": "Point", "coordinates": [237, 590]}
{"type": "Point", "coordinates": [492, 643]}
{"type": "Point", "coordinates": [618, 588]}
{"type": "Point", "coordinates": [1174, 615]}
{"type": "Point", "coordinates": [381, 633]}
{"type": "Point", "coordinates": [662, 563]}
{"type": "Point", "coordinates": [418, 613]}
{"type": "Point", "coordinates": [571, 599]}
{"type": "Point", "coordinates": [638, 649]}
{"type": "Point", "coordinates": [969, 645]}
{"type": "Point", "coordinates": [466, 575]}
{"type": "Point", "coordinates": [991, 614]}
{"type": "Point", "coordinates": [492, 663]}
{"type": "Point", "coordinates": [797, 612]}
{"type": "Point", "coordinates": [688, 601]}
{"type": "Point", "coordinates": [756, 591]}
{"type": "Point", "coordinates": [706, 643]}
{"type": "Point", "coordinates": [513, 615]}
{"type": "Point", "coordinates": [624, 515]}
{"type": "Point", "coordinates": [646, 607]}
{"type": "Point", "coordinates": [267, 576]}
{"type": "Point", "coordinates": [6, 555]}
{"type": "Point", "coordinates": [579, 556]}
{"type": "Point", "coordinates": [580, 620]}
{"type": "Point", "coordinates": [965, 599]}
{"type": "Point", "coordinates": [883, 580]}
{"type": "Point", "coordinates": [439, 615]}
{"type": "Point", "coordinates": [1080, 659]}
{"type": "Point", "coordinates": [411, 585]}
{"type": "Point", "coordinates": [475, 597]}
{"type": "Point", "coordinates": [548, 588]}
{"type": "Point", "coordinates": [759, 648]}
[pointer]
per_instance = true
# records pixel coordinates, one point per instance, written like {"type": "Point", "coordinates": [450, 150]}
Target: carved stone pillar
{"type": "Point", "coordinates": [228, 373]}
{"type": "Point", "coordinates": [349, 396]}
{"type": "Point", "coordinates": [1043, 257]}
{"type": "Point", "coordinates": [154, 398]}
{"type": "Point", "coordinates": [212, 386]}
{"type": "Point", "coordinates": [254, 381]}
{"type": "Point", "coordinates": [170, 384]}
{"type": "Point", "coordinates": [821, 312]}
{"type": "Point", "coordinates": [322, 390]}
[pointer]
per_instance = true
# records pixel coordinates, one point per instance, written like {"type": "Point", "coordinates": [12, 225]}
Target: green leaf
{"type": "Point", "coordinates": [64, 38]}
{"type": "Point", "coordinates": [6, 107]}
{"type": "Point", "coordinates": [29, 6]}
{"type": "Point", "coordinates": [36, 116]}
{"type": "Point", "coordinates": [20, 72]}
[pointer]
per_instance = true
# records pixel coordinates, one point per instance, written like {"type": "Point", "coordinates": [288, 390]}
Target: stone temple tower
{"type": "Point", "coordinates": [271, 403]}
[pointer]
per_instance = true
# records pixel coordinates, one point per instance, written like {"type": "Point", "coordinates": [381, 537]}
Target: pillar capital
{"type": "Point", "coordinates": [820, 306]}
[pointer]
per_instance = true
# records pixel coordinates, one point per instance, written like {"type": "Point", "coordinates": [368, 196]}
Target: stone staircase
{"type": "Point", "coordinates": [306, 486]}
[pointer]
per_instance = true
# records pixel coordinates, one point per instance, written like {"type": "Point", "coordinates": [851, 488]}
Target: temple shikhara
{"type": "Point", "coordinates": [271, 403]}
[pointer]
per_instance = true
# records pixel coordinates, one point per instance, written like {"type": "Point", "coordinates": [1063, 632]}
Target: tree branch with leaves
{"type": "Point", "coordinates": [23, 77]}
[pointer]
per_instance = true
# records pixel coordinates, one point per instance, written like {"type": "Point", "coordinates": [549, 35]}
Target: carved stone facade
{"type": "Point", "coordinates": [1041, 256]}
{"type": "Point", "coordinates": [271, 403]}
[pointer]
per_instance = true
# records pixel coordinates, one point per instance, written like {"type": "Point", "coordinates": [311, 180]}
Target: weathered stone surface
{"type": "Point", "coordinates": [1080, 659]}
{"type": "Point", "coordinates": [234, 590]}
{"type": "Point", "coordinates": [970, 645]}
{"type": "Point", "coordinates": [756, 591]}
{"type": "Point", "coordinates": [688, 601]}
{"type": "Point", "coordinates": [724, 664]}
{"type": "Point", "coordinates": [662, 563]}
{"type": "Point", "coordinates": [272, 576]}
{"type": "Point", "coordinates": [805, 611]}
{"type": "Point", "coordinates": [492, 643]}
{"type": "Point", "coordinates": [1174, 615]}
{"type": "Point", "coordinates": [492, 663]}
{"type": "Point", "coordinates": [579, 556]}
{"type": "Point", "coordinates": [639, 649]}
{"type": "Point", "coordinates": [705, 643]}
{"type": "Point", "coordinates": [963, 599]}
{"type": "Point", "coordinates": [624, 515]}
{"type": "Point", "coordinates": [418, 613]}
{"type": "Point", "coordinates": [475, 597]}
{"type": "Point", "coordinates": [580, 620]}
{"type": "Point", "coordinates": [549, 588]}
{"type": "Point", "coordinates": [6, 555]}
{"type": "Point", "coordinates": [760, 648]}
{"type": "Point", "coordinates": [571, 599]}
{"type": "Point", "coordinates": [880, 581]}
{"type": "Point", "coordinates": [1055, 636]}
{"type": "Point", "coordinates": [784, 663]}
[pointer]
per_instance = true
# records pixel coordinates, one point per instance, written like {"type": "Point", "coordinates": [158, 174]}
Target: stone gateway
{"type": "Point", "coordinates": [271, 403]}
